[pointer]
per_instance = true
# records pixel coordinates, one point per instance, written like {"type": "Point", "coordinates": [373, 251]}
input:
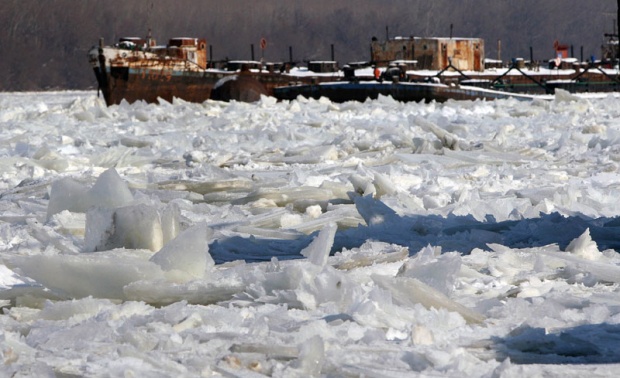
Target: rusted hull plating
{"type": "Point", "coordinates": [146, 75]}
{"type": "Point", "coordinates": [124, 83]}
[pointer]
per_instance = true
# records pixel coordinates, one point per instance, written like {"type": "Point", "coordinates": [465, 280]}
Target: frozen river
{"type": "Point", "coordinates": [308, 238]}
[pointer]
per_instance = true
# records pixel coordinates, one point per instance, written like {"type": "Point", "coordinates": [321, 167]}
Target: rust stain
{"type": "Point", "coordinates": [431, 53]}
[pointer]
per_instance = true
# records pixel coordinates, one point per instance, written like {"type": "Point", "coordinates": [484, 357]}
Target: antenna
{"type": "Point", "coordinates": [149, 11]}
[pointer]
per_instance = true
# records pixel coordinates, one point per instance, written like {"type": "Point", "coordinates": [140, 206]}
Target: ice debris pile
{"type": "Point", "coordinates": [307, 238]}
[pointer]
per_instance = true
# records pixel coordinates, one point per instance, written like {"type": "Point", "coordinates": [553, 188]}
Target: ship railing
{"type": "Point", "coordinates": [610, 77]}
{"type": "Point", "coordinates": [450, 65]}
{"type": "Point", "coordinates": [532, 79]}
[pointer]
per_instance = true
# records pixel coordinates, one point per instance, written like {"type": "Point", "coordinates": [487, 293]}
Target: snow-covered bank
{"type": "Point", "coordinates": [309, 238]}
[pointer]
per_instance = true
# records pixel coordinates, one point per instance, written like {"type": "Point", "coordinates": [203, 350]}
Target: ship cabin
{"type": "Point", "coordinates": [191, 50]}
{"type": "Point", "coordinates": [466, 54]}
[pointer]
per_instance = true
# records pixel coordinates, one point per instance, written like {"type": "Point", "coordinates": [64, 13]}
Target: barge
{"type": "Point", "coordinates": [137, 69]}
{"type": "Point", "coordinates": [408, 69]}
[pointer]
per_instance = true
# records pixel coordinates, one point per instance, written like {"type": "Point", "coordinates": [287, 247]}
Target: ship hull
{"type": "Point", "coordinates": [131, 76]}
{"type": "Point", "coordinates": [405, 92]}
{"type": "Point", "coordinates": [149, 85]}
{"type": "Point", "coordinates": [153, 74]}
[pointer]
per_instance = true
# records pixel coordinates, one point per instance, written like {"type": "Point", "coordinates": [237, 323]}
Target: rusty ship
{"type": "Point", "coordinates": [439, 69]}
{"type": "Point", "coordinates": [139, 69]}
{"type": "Point", "coordinates": [408, 69]}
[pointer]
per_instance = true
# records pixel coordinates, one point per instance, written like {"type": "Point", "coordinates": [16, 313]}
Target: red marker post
{"type": "Point", "coordinates": [263, 44]}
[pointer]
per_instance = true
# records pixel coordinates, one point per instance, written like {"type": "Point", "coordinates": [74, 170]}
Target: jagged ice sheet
{"type": "Point", "coordinates": [308, 238]}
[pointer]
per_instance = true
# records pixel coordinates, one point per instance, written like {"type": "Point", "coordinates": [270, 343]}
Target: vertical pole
{"type": "Point", "coordinates": [387, 33]}
{"type": "Point", "coordinates": [499, 49]}
{"type": "Point", "coordinates": [618, 21]}
{"type": "Point", "coordinates": [333, 55]}
{"type": "Point", "coordinates": [210, 60]}
{"type": "Point", "coordinates": [581, 56]}
{"type": "Point", "coordinates": [252, 48]}
{"type": "Point", "coordinates": [572, 51]}
{"type": "Point", "coordinates": [290, 54]}
{"type": "Point", "coordinates": [531, 55]}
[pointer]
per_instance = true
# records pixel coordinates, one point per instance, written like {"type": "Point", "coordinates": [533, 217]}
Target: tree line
{"type": "Point", "coordinates": [43, 44]}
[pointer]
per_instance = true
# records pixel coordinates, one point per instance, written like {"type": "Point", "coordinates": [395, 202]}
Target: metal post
{"type": "Point", "coordinates": [499, 49]}
{"type": "Point", "coordinates": [531, 55]}
{"type": "Point", "coordinates": [252, 48]}
{"type": "Point", "coordinates": [290, 54]}
{"type": "Point", "coordinates": [333, 55]}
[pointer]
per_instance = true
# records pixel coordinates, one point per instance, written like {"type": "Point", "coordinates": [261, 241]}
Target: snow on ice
{"type": "Point", "coordinates": [308, 238]}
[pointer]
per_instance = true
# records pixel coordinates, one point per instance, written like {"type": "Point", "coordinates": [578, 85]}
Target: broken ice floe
{"type": "Point", "coordinates": [142, 252]}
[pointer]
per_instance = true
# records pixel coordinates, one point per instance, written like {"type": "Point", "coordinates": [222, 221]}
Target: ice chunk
{"type": "Point", "coordinates": [138, 227]}
{"type": "Point", "coordinates": [584, 247]}
{"type": "Point", "coordinates": [211, 186]}
{"type": "Point", "coordinates": [290, 220]}
{"type": "Point", "coordinates": [99, 228]}
{"type": "Point", "coordinates": [67, 194]}
{"type": "Point", "coordinates": [562, 95]}
{"type": "Point", "coordinates": [109, 191]}
{"type": "Point", "coordinates": [312, 156]}
{"type": "Point", "coordinates": [187, 256]}
{"type": "Point", "coordinates": [376, 212]}
{"type": "Point", "coordinates": [314, 211]}
{"type": "Point", "coordinates": [409, 291]}
{"type": "Point", "coordinates": [311, 357]}
{"type": "Point", "coordinates": [135, 227]}
{"type": "Point", "coordinates": [447, 139]}
{"type": "Point", "coordinates": [318, 251]}
{"type": "Point", "coordinates": [370, 253]}
{"type": "Point", "coordinates": [8, 278]}
{"type": "Point", "coordinates": [363, 186]}
{"type": "Point", "coordinates": [161, 292]}
{"type": "Point", "coordinates": [284, 196]}
{"type": "Point", "coordinates": [437, 271]}
{"type": "Point", "coordinates": [384, 185]}
{"type": "Point", "coordinates": [170, 222]}
{"type": "Point", "coordinates": [101, 275]}
{"type": "Point", "coordinates": [70, 223]}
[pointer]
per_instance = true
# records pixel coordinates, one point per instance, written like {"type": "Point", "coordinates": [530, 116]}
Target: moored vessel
{"type": "Point", "coordinates": [408, 69]}
{"type": "Point", "coordinates": [137, 69]}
